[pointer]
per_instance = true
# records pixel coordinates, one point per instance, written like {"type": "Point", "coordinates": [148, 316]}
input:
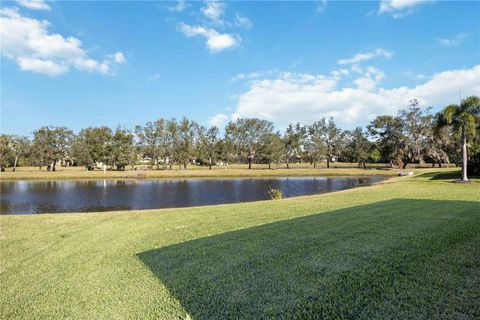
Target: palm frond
{"type": "Point", "coordinates": [449, 113]}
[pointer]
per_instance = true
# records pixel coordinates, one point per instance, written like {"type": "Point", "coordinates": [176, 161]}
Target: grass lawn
{"type": "Point", "coordinates": [406, 248]}
{"type": "Point", "coordinates": [236, 170]}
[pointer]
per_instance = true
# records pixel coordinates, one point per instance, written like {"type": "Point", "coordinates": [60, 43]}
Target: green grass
{"type": "Point", "coordinates": [406, 248]}
{"type": "Point", "coordinates": [236, 170]}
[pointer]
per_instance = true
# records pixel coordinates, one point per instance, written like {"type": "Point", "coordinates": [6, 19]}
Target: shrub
{"type": "Point", "coordinates": [275, 194]}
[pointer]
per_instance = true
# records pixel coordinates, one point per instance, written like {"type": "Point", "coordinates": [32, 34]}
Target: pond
{"type": "Point", "coordinates": [24, 197]}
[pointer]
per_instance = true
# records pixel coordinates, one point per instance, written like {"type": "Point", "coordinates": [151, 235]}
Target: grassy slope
{"type": "Point", "coordinates": [408, 248]}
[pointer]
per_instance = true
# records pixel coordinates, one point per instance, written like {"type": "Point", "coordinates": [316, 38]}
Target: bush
{"type": "Point", "coordinates": [275, 194]}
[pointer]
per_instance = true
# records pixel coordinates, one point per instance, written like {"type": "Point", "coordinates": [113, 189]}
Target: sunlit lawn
{"type": "Point", "coordinates": [407, 248]}
{"type": "Point", "coordinates": [234, 170]}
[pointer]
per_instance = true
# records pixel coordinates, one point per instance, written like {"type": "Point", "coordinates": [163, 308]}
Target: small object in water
{"type": "Point", "coordinates": [409, 173]}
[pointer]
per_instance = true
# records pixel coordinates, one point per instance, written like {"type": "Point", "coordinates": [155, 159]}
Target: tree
{"type": "Point", "coordinates": [464, 120]}
{"type": "Point", "coordinates": [332, 137]}
{"type": "Point", "coordinates": [247, 135]}
{"type": "Point", "coordinates": [171, 142]}
{"type": "Point", "coordinates": [208, 146]}
{"type": "Point", "coordinates": [387, 130]}
{"type": "Point", "coordinates": [375, 155]}
{"type": "Point", "coordinates": [359, 147]}
{"type": "Point", "coordinates": [152, 140]}
{"type": "Point", "coordinates": [123, 150]}
{"type": "Point", "coordinates": [417, 132]}
{"type": "Point", "coordinates": [6, 152]}
{"type": "Point", "coordinates": [226, 151]}
{"type": "Point", "coordinates": [50, 145]}
{"type": "Point", "coordinates": [186, 141]}
{"type": "Point", "coordinates": [13, 148]}
{"type": "Point", "coordinates": [314, 145]}
{"type": "Point", "coordinates": [272, 148]}
{"type": "Point", "coordinates": [92, 146]}
{"type": "Point", "coordinates": [293, 139]}
{"type": "Point", "coordinates": [440, 144]}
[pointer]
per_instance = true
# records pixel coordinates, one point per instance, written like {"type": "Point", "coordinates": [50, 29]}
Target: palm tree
{"type": "Point", "coordinates": [463, 120]}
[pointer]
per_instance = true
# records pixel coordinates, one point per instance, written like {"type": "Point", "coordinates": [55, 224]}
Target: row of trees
{"type": "Point", "coordinates": [414, 135]}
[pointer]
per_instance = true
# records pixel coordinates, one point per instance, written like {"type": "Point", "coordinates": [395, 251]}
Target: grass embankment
{"type": "Point", "coordinates": [406, 248]}
{"type": "Point", "coordinates": [30, 173]}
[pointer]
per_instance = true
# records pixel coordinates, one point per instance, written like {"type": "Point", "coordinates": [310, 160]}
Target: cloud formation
{"type": "Point", "coordinates": [454, 41]}
{"type": "Point", "coordinates": [243, 22]}
{"type": "Point", "coordinates": [214, 11]}
{"type": "Point", "coordinates": [216, 41]}
{"type": "Point", "coordinates": [218, 120]}
{"type": "Point", "coordinates": [34, 4]}
{"type": "Point", "coordinates": [321, 6]}
{"type": "Point", "coordinates": [29, 43]}
{"type": "Point", "coordinates": [308, 97]}
{"type": "Point", "coordinates": [210, 20]}
{"type": "Point", "coordinates": [361, 57]}
{"type": "Point", "coordinates": [179, 7]}
{"type": "Point", "coordinates": [400, 8]}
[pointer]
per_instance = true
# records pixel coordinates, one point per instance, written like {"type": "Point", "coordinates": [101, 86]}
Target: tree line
{"type": "Point", "coordinates": [414, 135]}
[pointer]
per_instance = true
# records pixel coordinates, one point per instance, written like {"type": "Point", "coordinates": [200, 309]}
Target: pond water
{"type": "Point", "coordinates": [24, 197]}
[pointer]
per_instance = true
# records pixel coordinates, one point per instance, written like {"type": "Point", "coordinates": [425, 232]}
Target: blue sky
{"type": "Point", "coordinates": [83, 64]}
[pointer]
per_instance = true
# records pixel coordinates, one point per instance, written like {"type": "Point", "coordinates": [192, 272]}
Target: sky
{"type": "Point", "coordinates": [81, 64]}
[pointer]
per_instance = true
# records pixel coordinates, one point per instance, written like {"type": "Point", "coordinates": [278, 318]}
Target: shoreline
{"type": "Point", "coordinates": [194, 173]}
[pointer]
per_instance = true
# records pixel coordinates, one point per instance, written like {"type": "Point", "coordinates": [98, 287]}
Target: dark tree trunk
{"type": "Point", "coordinates": [269, 165]}
{"type": "Point", "coordinates": [328, 162]}
{"type": "Point", "coordinates": [287, 158]}
{"type": "Point", "coordinates": [2, 169]}
{"type": "Point", "coordinates": [249, 163]}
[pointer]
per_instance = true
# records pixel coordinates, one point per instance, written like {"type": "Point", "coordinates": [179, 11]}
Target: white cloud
{"type": "Point", "coordinates": [254, 75]}
{"type": "Point", "coordinates": [218, 120]}
{"type": "Point", "coordinates": [321, 5]}
{"type": "Point", "coordinates": [214, 10]}
{"type": "Point", "coordinates": [28, 42]}
{"type": "Point", "coordinates": [216, 41]}
{"type": "Point", "coordinates": [47, 67]}
{"type": "Point", "coordinates": [243, 22]}
{"type": "Point", "coordinates": [119, 57]}
{"type": "Point", "coordinates": [179, 7]}
{"type": "Point", "coordinates": [400, 8]}
{"type": "Point", "coordinates": [211, 20]}
{"type": "Point", "coordinates": [370, 79]}
{"type": "Point", "coordinates": [454, 41]}
{"type": "Point", "coordinates": [360, 57]}
{"type": "Point", "coordinates": [34, 4]}
{"type": "Point", "coordinates": [309, 97]}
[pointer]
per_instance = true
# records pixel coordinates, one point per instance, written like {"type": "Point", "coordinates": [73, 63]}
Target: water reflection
{"type": "Point", "coordinates": [23, 197]}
